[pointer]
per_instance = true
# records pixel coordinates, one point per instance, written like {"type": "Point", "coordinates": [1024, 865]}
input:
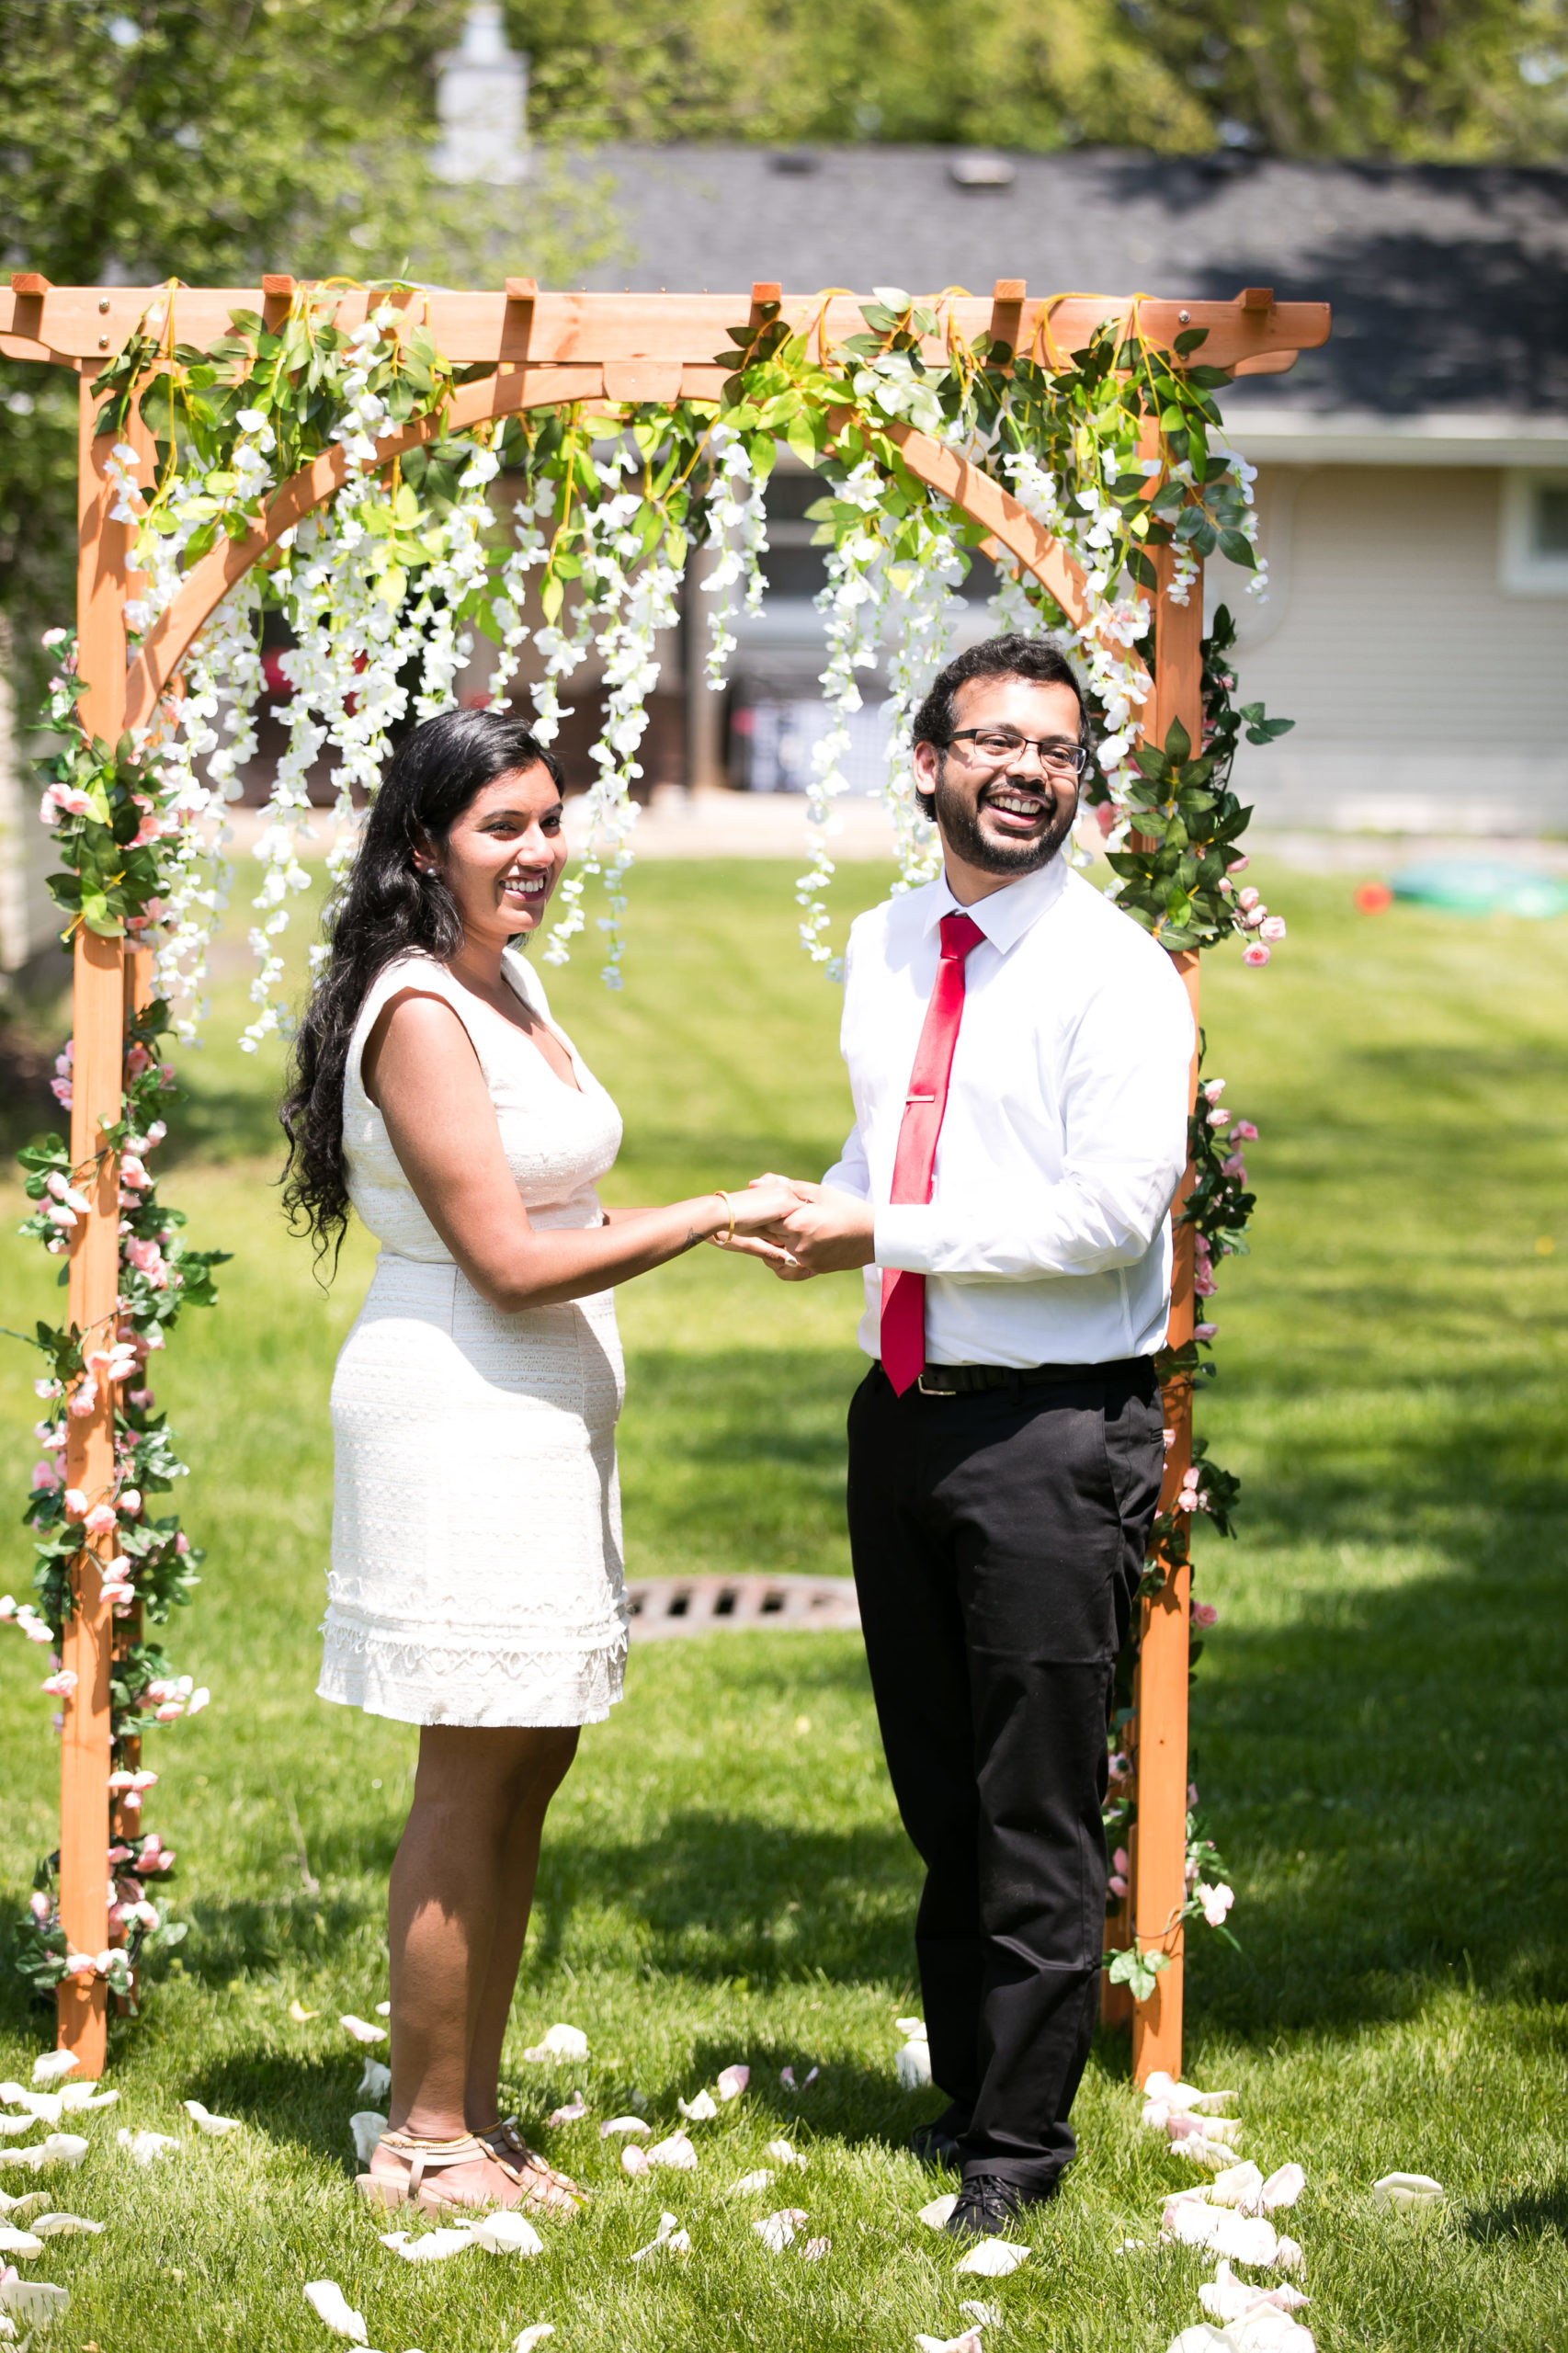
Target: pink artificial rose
{"type": "Point", "coordinates": [1220, 1118]}
{"type": "Point", "coordinates": [1203, 1283]}
{"type": "Point", "coordinates": [137, 1061]}
{"type": "Point", "coordinates": [75, 1504]}
{"type": "Point", "coordinates": [1255, 953]}
{"type": "Point", "coordinates": [1244, 1132]}
{"type": "Point", "coordinates": [1116, 1885]}
{"type": "Point", "coordinates": [101, 1520]}
{"type": "Point", "coordinates": [182, 1541]}
{"type": "Point", "coordinates": [1204, 1331]}
{"type": "Point", "coordinates": [1204, 1613]}
{"type": "Point", "coordinates": [1214, 1088]}
{"type": "Point", "coordinates": [1246, 900]}
{"type": "Point", "coordinates": [1216, 1902]}
{"type": "Point", "coordinates": [131, 1502]}
{"type": "Point", "coordinates": [46, 1474]}
{"type": "Point", "coordinates": [1122, 1861]}
{"type": "Point", "coordinates": [1272, 928]}
{"type": "Point", "coordinates": [38, 1904]}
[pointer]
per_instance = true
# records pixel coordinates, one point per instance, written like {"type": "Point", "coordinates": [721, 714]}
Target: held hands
{"type": "Point", "coordinates": [814, 1231]}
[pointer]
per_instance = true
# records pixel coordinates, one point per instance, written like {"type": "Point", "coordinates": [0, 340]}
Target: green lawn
{"type": "Point", "coordinates": [1378, 1720]}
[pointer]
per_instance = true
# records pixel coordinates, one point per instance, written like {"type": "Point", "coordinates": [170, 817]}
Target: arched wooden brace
{"type": "Point", "coordinates": [942, 468]}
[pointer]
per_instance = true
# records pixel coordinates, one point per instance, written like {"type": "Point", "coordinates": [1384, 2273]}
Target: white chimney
{"type": "Point", "coordinates": [481, 100]}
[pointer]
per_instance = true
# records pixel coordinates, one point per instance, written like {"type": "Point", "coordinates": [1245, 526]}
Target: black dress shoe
{"type": "Point", "coordinates": [936, 2144]}
{"type": "Point", "coordinates": [989, 2201]}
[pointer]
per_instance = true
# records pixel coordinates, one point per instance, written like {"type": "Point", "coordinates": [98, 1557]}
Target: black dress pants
{"type": "Point", "coordinates": [998, 1540]}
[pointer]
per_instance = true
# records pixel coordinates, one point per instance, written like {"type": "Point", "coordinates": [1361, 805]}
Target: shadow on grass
{"type": "Point", "coordinates": [1381, 1770]}
{"type": "Point", "coordinates": [1529, 2216]}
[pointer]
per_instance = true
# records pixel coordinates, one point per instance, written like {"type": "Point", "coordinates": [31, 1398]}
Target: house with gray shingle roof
{"type": "Point", "coordinates": [1413, 472]}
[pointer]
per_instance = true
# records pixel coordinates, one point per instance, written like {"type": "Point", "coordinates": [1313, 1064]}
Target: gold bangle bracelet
{"type": "Point", "coordinates": [730, 1209]}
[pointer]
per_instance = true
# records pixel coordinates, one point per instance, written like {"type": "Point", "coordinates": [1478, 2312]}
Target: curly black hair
{"type": "Point", "coordinates": [389, 908]}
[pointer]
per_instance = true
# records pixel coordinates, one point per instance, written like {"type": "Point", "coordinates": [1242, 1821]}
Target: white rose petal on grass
{"type": "Point", "coordinates": [631, 2124]}
{"type": "Point", "coordinates": [33, 2301]}
{"type": "Point", "coordinates": [1240, 2186]}
{"type": "Point", "coordinates": [74, 2097]}
{"type": "Point", "coordinates": [506, 2233]}
{"type": "Point", "coordinates": [561, 2042]}
{"type": "Point", "coordinates": [1407, 2193]}
{"type": "Point", "coordinates": [1214, 2156]}
{"type": "Point", "coordinates": [573, 2112]}
{"type": "Point", "coordinates": [376, 2081]}
{"type": "Point", "coordinates": [733, 2082]}
{"type": "Point", "coordinates": [361, 2029]}
{"type": "Point", "coordinates": [47, 2105]}
{"type": "Point", "coordinates": [527, 2338]}
{"type": "Point", "coordinates": [215, 2127]}
{"type": "Point", "coordinates": [634, 2159]}
{"type": "Point", "coordinates": [13, 2127]}
{"type": "Point", "coordinates": [57, 2149]}
{"type": "Point", "coordinates": [994, 2258]}
{"type": "Point", "coordinates": [54, 2065]}
{"type": "Point", "coordinates": [968, 2343]}
{"type": "Point", "coordinates": [783, 2155]}
{"type": "Point", "coordinates": [429, 2247]}
{"type": "Point", "coordinates": [22, 2206]}
{"type": "Point", "coordinates": [1282, 2189]}
{"type": "Point", "coordinates": [677, 2152]}
{"type": "Point", "coordinates": [699, 2110]}
{"type": "Point", "coordinates": [298, 2012]}
{"type": "Point", "coordinates": [366, 2124]}
{"type": "Point", "coordinates": [816, 2250]}
{"type": "Point", "coordinates": [778, 2230]}
{"type": "Point", "coordinates": [749, 2184]}
{"type": "Point", "coordinates": [935, 2216]}
{"type": "Point", "coordinates": [983, 2316]}
{"type": "Point", "coordinates": [907, 2027]}
{"type": "Point", "coordinates": [64, 2226]}
{"type": "Point", "coordinates": [19, 2246]}
{"type": "Point", "coordinates": [146, 2148]}
{"type": "Point", "coordinates": [1288, 2256]}
{"type": "Point", "coordinates": [383, 2009]}
{"type": "Point", "coordinates": [669, 2239]}
{"type": "Point", "coordinates": [1161, 2086]}
{"type": "Point", "coordinates": [913, 2064]}
{"type": "Point", "coordinates": [330, 2304]}
{"type": "Point", "coordinates": [1227, 2299]}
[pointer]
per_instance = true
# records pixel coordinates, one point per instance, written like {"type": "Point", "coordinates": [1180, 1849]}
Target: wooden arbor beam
{"type": "Point", "coordinates": [85, 322]}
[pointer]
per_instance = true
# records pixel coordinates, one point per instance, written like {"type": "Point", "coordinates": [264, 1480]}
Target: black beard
{"type": "Point", "coordinates": [961, 830]}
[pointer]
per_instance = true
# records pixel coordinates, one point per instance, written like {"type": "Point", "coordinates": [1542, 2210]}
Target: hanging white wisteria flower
{"type": "Point", "coordinates": [851, 606]}
{"type": "Point", "coordinates": [737, 532]}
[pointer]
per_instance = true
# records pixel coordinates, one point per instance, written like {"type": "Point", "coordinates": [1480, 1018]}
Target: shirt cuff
{"type": "Point", "coordinates": [905, 1235]}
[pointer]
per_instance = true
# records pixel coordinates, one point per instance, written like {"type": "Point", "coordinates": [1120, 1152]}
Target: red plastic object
{"type": "Point", "coordinates": [1372, 898]}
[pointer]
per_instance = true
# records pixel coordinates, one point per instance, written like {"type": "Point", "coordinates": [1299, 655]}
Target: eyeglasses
{"type": "Point", "coordinates": [1001, 747]}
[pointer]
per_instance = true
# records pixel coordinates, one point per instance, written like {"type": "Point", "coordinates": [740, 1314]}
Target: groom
{"type": "Point", "coordinates": [1018, 1055]}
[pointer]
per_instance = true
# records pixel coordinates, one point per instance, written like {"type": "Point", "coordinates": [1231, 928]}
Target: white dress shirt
{"type": "Point", "coordinates": [1047, 1239]}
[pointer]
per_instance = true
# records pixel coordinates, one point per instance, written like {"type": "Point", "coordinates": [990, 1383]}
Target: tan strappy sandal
{"type": "Point", "coordinates": [544, 2192]}
{"type": "Point", "coordinates": [426, 2159]}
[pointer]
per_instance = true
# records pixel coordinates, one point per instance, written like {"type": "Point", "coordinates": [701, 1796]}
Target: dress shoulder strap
{"type": "Point", "coordinates": [415, 971]}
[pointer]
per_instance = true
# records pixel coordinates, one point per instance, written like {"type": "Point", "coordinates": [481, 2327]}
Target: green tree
{"type": "Point", "coordinates": [209, 141]}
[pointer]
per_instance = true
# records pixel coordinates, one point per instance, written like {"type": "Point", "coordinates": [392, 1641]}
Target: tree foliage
{"type": "Point", "coordinates": [1447, 80]}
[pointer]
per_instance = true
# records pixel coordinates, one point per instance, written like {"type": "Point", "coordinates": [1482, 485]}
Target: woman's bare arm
{"type": "Point", "coordinates": [422, 1072]}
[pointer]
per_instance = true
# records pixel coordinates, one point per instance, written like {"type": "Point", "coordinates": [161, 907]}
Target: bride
{"type": "Point", "coordinates": [476, 1564]}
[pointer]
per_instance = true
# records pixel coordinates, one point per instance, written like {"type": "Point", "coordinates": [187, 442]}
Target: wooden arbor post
{"type": "Point", "coordinates": [540, 350]}
{"type": "Point", "coordinates": [99, 1029]}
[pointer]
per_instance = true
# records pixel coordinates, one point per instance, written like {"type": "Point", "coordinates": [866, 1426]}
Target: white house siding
{"type": "Point", "coordinates": [1427, 696]}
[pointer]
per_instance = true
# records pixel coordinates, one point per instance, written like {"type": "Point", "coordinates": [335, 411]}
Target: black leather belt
{"type": "Point", "coordinates": [964, 1380]}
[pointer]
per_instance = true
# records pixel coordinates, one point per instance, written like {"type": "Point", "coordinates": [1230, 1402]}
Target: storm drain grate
{"type": "Point", "coordinates": [663, 1606]}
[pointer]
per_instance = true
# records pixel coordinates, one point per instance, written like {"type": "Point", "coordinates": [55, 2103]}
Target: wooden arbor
{"type": "Point", "coordinates": [541, 350]}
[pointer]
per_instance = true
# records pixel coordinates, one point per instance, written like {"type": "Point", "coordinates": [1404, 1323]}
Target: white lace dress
{"type": "Point", "coordinates": [476, 1561]}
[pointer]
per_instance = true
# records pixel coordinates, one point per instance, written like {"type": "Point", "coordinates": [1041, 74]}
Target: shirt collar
{"type": "Point", "coordinates": [1004, 915]}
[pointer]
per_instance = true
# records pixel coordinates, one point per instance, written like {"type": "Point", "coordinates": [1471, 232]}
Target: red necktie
{"type": "Point", "coordinates": [903, 1294]}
